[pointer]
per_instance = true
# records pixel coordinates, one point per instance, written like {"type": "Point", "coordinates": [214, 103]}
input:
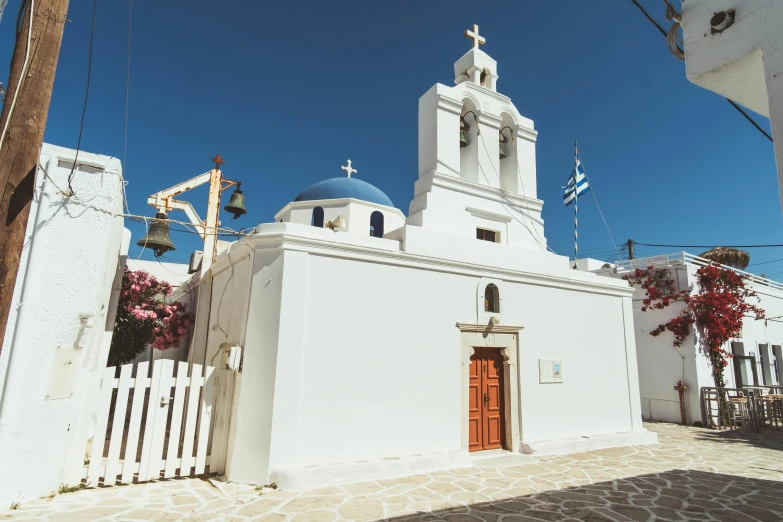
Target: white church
{"type": "Point", "coordinates": [375, 344]}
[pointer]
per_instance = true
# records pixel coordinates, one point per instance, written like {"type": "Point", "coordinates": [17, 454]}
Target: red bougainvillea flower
{"type": "Point", "coordinates": [718, 306]}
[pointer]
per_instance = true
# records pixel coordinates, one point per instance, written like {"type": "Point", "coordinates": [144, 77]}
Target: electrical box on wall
{"type": "Point", "coordinates": [195, 261]}
{"type": "Point", "coordinates": [232, 356]}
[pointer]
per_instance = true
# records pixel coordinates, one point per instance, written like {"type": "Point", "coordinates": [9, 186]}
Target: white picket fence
{"type": "Point", "coordinates": [180, 434]}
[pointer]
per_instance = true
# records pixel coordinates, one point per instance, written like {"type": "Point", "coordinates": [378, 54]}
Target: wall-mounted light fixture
{"type": "Point", "coordinates": [722, 20]}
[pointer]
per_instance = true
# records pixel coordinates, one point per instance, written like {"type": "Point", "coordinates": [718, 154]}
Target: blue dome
{"type": "Point", "coordinates": [338, 188]}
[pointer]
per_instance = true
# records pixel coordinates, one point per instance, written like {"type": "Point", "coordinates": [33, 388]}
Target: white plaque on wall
{"type": "Point", "coordinates": [550, 371]}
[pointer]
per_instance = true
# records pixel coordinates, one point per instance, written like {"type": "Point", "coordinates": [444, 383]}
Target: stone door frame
{"type": "Point", "coordinates": [506, 338]}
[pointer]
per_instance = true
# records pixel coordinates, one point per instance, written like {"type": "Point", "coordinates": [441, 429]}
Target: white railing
{"type": "Point", "coordinates": [684, 258]}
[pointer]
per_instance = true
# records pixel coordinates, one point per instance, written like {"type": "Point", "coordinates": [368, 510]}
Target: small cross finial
{"type": "Point", "coordinates": [218, 161]}
{"type": "Point", "coordinates": [474, 35]}
{"type": "Point", "coordinates": [349, 169]}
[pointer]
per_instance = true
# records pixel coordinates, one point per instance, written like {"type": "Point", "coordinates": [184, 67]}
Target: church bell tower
{"type": "Point", "coordinates": [477, 165]}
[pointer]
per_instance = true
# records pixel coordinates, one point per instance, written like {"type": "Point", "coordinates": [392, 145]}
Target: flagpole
{"type": "Point", "coordinates": [576, 207]}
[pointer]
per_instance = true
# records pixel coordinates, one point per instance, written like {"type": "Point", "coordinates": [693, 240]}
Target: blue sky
{"type": "Point", "coordinates": [286, 92]}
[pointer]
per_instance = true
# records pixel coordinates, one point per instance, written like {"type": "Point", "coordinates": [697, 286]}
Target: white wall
{"type": "Point", "coordinates": [379, 384]}
{"type": "Point", "coordinates": [354, 354]}
{"type": "Point", "coordinates": [661, 365]}
{"type": "Point", "coordinates": [228, 312]}
{"type": "Point", "coordinates": [251, 424]}
{"type": "Point", "coordinates": [59, 333]}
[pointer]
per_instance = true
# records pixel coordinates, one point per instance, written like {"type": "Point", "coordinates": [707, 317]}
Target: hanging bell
{"type": "Point", "coordinates": [502, 147]}
{"type": "Point", "coordinates": [157, 238]}
{"type": "Point", "coordinates": [236, 205]}
{"type": "Point", "coordinates": [463, 126]}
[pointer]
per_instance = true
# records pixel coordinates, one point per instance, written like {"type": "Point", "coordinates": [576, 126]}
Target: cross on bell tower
{"type": "Point", "coordinates": [474, 35]}
{"type": "Point", "coordinates": [476, 66]}
{"type": "Point", "coordinates": [218, 161]}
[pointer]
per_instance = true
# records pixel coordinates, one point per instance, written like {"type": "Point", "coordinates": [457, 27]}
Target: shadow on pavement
{"type": "Point", "coordinates": [671, 495]}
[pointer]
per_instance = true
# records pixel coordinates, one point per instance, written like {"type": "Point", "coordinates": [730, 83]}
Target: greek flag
{"type": "Point", "coordinates": [577, 184]}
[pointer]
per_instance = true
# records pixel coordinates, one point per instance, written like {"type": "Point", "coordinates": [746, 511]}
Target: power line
{"type": "Point", "coordinates": [86, 97]}
{"type": "Point", "coordinates": [598, 249]}
{"type": "Point", "coordinates": [766, 262]}
{"type": "Point", "coordinates": [706, 246]}
{"type": "Point", "coordinates": [747, 117]}
{"type": "Point", "coordinates": [665, 34]}
{"type": "Point", "coordinates": [127, 97]}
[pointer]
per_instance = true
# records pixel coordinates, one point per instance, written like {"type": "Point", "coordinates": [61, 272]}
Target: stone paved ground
{"type": "Point", "coordinates": [693, 474]}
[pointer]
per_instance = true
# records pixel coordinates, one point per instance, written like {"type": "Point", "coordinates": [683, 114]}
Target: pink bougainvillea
{"type": "Point", "coordinates": [145, 318]}
{"type": "Point", "coordinates": [717, 308]}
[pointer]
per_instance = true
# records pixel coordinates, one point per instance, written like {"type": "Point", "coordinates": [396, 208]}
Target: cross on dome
{"type": "Point", "coordinates": [474, 35]}
{"type": "Point", "coordinates": [349, 169]}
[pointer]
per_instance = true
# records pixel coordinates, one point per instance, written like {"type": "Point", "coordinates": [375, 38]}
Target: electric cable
{"type": "Point", "coordinates": [707, 246]}
{"type": "Point", "coordinates": [595, 198]}
{"type": "Point", "coordinates": [127, 98]}
{"type": "Point", "coordinates": [534, 235]}
{"type": "Point", "coordinates": [86, 97]}
{"type": "Point", "coordinates": [665, 34]}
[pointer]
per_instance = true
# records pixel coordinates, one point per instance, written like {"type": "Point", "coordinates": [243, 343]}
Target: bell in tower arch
{"type": "Point", "coordinates": [463, 128]}
{"type": "Point", "coordinates": [503, 141]}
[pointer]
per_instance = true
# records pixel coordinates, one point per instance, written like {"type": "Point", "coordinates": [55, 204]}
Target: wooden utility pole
{"type": "Point", "coordinates": [20, 146]}
{"type": "Point", "coordinates": [629, 244]}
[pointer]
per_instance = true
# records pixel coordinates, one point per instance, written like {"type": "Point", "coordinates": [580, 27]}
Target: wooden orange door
{"type": "Point", "coordinates": [476, 431]}
{"type": "Point", "coordinates": [486, 404]}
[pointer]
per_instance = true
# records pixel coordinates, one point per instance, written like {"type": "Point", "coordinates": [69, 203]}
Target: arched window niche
{"type": "Point", "coordinates": [318, 217]}
{"type": "Point", "coordinates": [491, 299]}
{"type": "Point", "coordinates": [376, 224]}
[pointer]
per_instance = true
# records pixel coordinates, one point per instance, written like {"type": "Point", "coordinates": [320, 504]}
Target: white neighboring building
{"type": "Point", "coordinates": [731, 49]}
{"type": "Point", "coordinates": [757, 353]}
{"type": "Point", "coordinates": [391, 345]}
{"type": "Point", "coordinates": [173, 273]}
{"type": "Point", "coordinates": [62, 315]}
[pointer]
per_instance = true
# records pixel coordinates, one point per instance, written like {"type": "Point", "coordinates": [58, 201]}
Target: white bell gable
{"type": "Point", "coordinates": [466, 185]}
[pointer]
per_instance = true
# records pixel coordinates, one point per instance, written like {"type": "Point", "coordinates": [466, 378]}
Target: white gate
{"type": "Point", "coordinates": [167, 425]}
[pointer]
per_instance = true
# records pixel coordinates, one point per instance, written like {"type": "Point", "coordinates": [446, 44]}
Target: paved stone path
{"type": "Point", "coordinates": [693, 474]}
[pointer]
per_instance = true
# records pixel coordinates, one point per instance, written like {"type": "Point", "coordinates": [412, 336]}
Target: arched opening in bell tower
{"type": "Point", "coordinates": [509, 162]}
{"type": "Point", "coordinates": [483, 78]}
{"type": "Point", "coordinates": [469, 142]}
